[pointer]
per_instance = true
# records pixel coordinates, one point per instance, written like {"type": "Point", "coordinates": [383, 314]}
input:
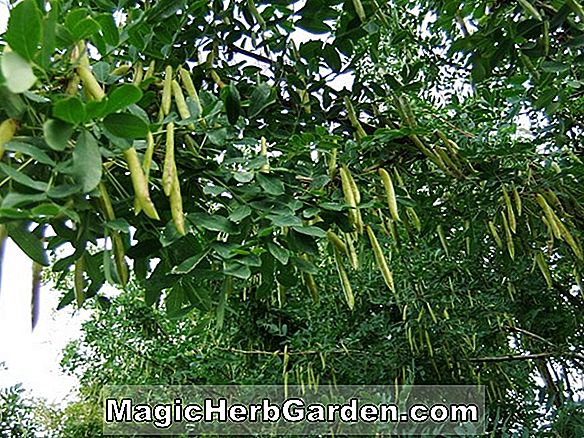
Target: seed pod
{"type": "Point", "coordinates": [176, 206]}
{"type": "Point", "coordinates": [150, 71]}
{"type": "Point", "coordinates": [179, 99]}
{"type": "Point", "coordinates": [138, 73]}
{"type": "Point", "coordinates": [543, 267]}
{"type": "Point", "coordinates": [406, 111]}
{"type": "Point", "coordinates": [448, 162]}
{"type": "Point", "coordinates": [167, 91]}
{"type": "Point", "coordinates": [147, 162]}
{"type": "Point", "coordinates": [345, 284]}
{"type": "Point", "coordinates": [577, 8]}
{"type": "Point", "coordinates": [432, 315]}
{"type": "Point", "coordinates": [336, 241]}
{"type": "Point", "coordinates": [349, 197]}
{"type": "Point", "coordinates": [530, 9]}
{"type": "Point", "coordinates": [568, 238]}
{"type": "Point", "coordinates": [120, 257]}
{"type": "Point", "coordinates": [217, 79]}
{"type": "Point", "coordinates": [169, 163]}
{"type": "Point", "coordinates": [510, 213]}
{"type": "Point", "coordinates": [549, 214]}
{"type": "Point", "coordinates": [264, 153]}
{"type": "Point", "coordinates": [89, 82]}
{"type": "Point", "coordinates": [312, 287]}
{"type": "Point", "coordinates": [7, 131]}
{"type": "Point", "coordinates": [73, 85]}
{"type": "Point", "coordinates": [255, 13]}
{"type": "Point", "coordinates": [517, 200]}
{"type": "Point", "coordinates": [380, 258]}
{"type": "Point", "coordinates": [352, 252]}
{"type": "Point", "coordinates": [35, 301]}
{"type": "Point", "coordinates": [353, 185]}
{"type": "Point", "coordinates": [495, 234]}
{"type": "Point", "coordinates": [412, 215]}
{"type": "Point", "coordinates": [359, 10]}
{"type": "Point", "coordinates": [332, 163]}
{"type": "Point", "coordinates": [442, 238]}
{"type": "Point", "coordinates": [121, 70]}
{"type": "Point", "coordinates": [508, 237]}
{"type": "Point", "coordinates": [360, 132]}
{"type": "Point", "coordinates": [390, 193]}
{"type": "Point", "coordinates": [79, 281]}
{"type": "Point", "coordinates": [140, 184]}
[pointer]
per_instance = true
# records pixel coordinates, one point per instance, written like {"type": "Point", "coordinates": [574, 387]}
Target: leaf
{"type": "Point", "coordinates": [270, 184]}
{"type": "Point", "coordinates": [240, 213]}
{"type": "Point", "coordinates": [236, 269]}
{"type": "Point", "coordinates": [29, 243]}
{"type": "Point", "coordinates": [24, 179]}
{"type": "Point", "coordinates": [285, 220]}
{"type": "Point", "coordinates": [213, 223]}
{"type": "Point", "coordinates": [87, 162]}
{"type": "Point", "coordinates": [126, 125]}
{"type": "Point", "coordinates": [232, 103]}
{"type": "Point", "coordinates": [30, 150]}
{"type": "Point", "coordinates": [109, 30]}
{"type": "Point", "coordinates": [554, 66]}
{"type": "Point", "coordinates": [281, 254]}
{"type": "Point", "coordinates": [122, 97]}
{"type": "Point", "coordinates": [189, 264]}
{"type": "Point", "coordinates": [57, 134]}
{"type": "Point", "coordinates": [17, 72]}
{"type": "Point", "coordinates": [70, 110]}
{"type": "Point", "coordinates": [24, 29]}
{"type": "Point", "coordinates": [261, 97]}
{"type": "Point", "coordinates": [331, 57]}
{"type": "Point", "coordinates": [311, 231]}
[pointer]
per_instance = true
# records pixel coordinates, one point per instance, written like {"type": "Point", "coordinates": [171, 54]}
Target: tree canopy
{"type": "Point", "coordinates": [425, 218]}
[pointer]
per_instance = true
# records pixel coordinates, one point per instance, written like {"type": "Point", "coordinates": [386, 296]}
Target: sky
{"type": "Point", "coordinates": [32, 357]}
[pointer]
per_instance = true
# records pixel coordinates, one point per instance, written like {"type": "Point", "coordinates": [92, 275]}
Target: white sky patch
{"type": "Point", "coordinates": [33, 358]}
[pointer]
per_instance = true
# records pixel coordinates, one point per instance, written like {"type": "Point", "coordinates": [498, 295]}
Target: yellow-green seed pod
{"type": "Point", "coordinates": [120, 257]}
{"type": "Point", "coordinates": [138, 73]}
{"type": "Point", "coordinates": [353, 185]}
{"type": "Point", "coordinates": [264, 153]}
{"type": "Point", "coordinates": [360, 132]}
{"type": "Point", "coordinates": [349, 197]}
{"type": "Point", "coordinates": [510, 213]}
{"type": "Point", "coordinates": [412, 215]}
{"type": "Point", "coordinates": [176, 206]}
{"type": "Point", "coordinates": [549, 214]}
{"type": "Point", "coordinates": [390, 193]}
{"type": "Point", "coordinates": [73, 85]}
{"type": "Point", "coordinates": [179, 99]}
{"type": "Point", "coordinates": [360, 10]}
{"type": "Point", "coordinates": [150, 71]}
{"type": "Point", "coordinates": [345, 284]}
{"type": "Point", "coordinates": [7, 130]}
{"type": "Point", "coordinates": [121, 70]}
{"type": "Point", "coordinates": [140, 184]}
{"type": "Point", "coordinates": [148, 154]}
{"type": "Point", "coordinates": [332, 163]}
{"type": "Point", "coordinates": [169, 164]}
{"type": "Point", "coordinates": [352, 252]}
{"type": "Point", "coordinates": [311, 286]}
{"type": "Point", "coordinates": [90, 84]}
{"type": "Point", "coordinates": [568, 238]}
{"type": "Point", "coordinates": [517, 200]}
{"type": "Point", "coordinates": [255, 13]}
{"type": "Point", "coordinates": [495, 234]}
{"type": "Point", "coordinates": [167, 91]}
{"type": "Point", "coordinates": [543, 267]}
{"type": "Point", "coordinates": [508, 237]}
{"type": "Point", "coordinates": [380, 259]}
{"type": "Point", "coordinates": [336, 241]}
{"type": "Point", "coordinates": [442, 238]}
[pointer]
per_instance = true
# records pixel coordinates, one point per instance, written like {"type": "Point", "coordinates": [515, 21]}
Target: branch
{"type": "Point", "coordinates": [253, 55]}
{"type": "Point", "coordinates": [512, 357]}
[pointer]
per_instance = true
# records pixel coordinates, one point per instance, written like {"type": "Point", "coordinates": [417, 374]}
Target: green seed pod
{"type": "Point", "coordinates": [169, 164]}
{"type": "Point", "coordinates": [167, 91]}
{"type": "Point", "coordinates": [390, 193]}
{"type": "Point", "coordinates": [380, 259]}
{"type": "Point", "coordinates": [140, 184]}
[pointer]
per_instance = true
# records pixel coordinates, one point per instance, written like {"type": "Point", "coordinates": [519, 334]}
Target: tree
{"type": "Point", "coordinates": [438, 198]}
